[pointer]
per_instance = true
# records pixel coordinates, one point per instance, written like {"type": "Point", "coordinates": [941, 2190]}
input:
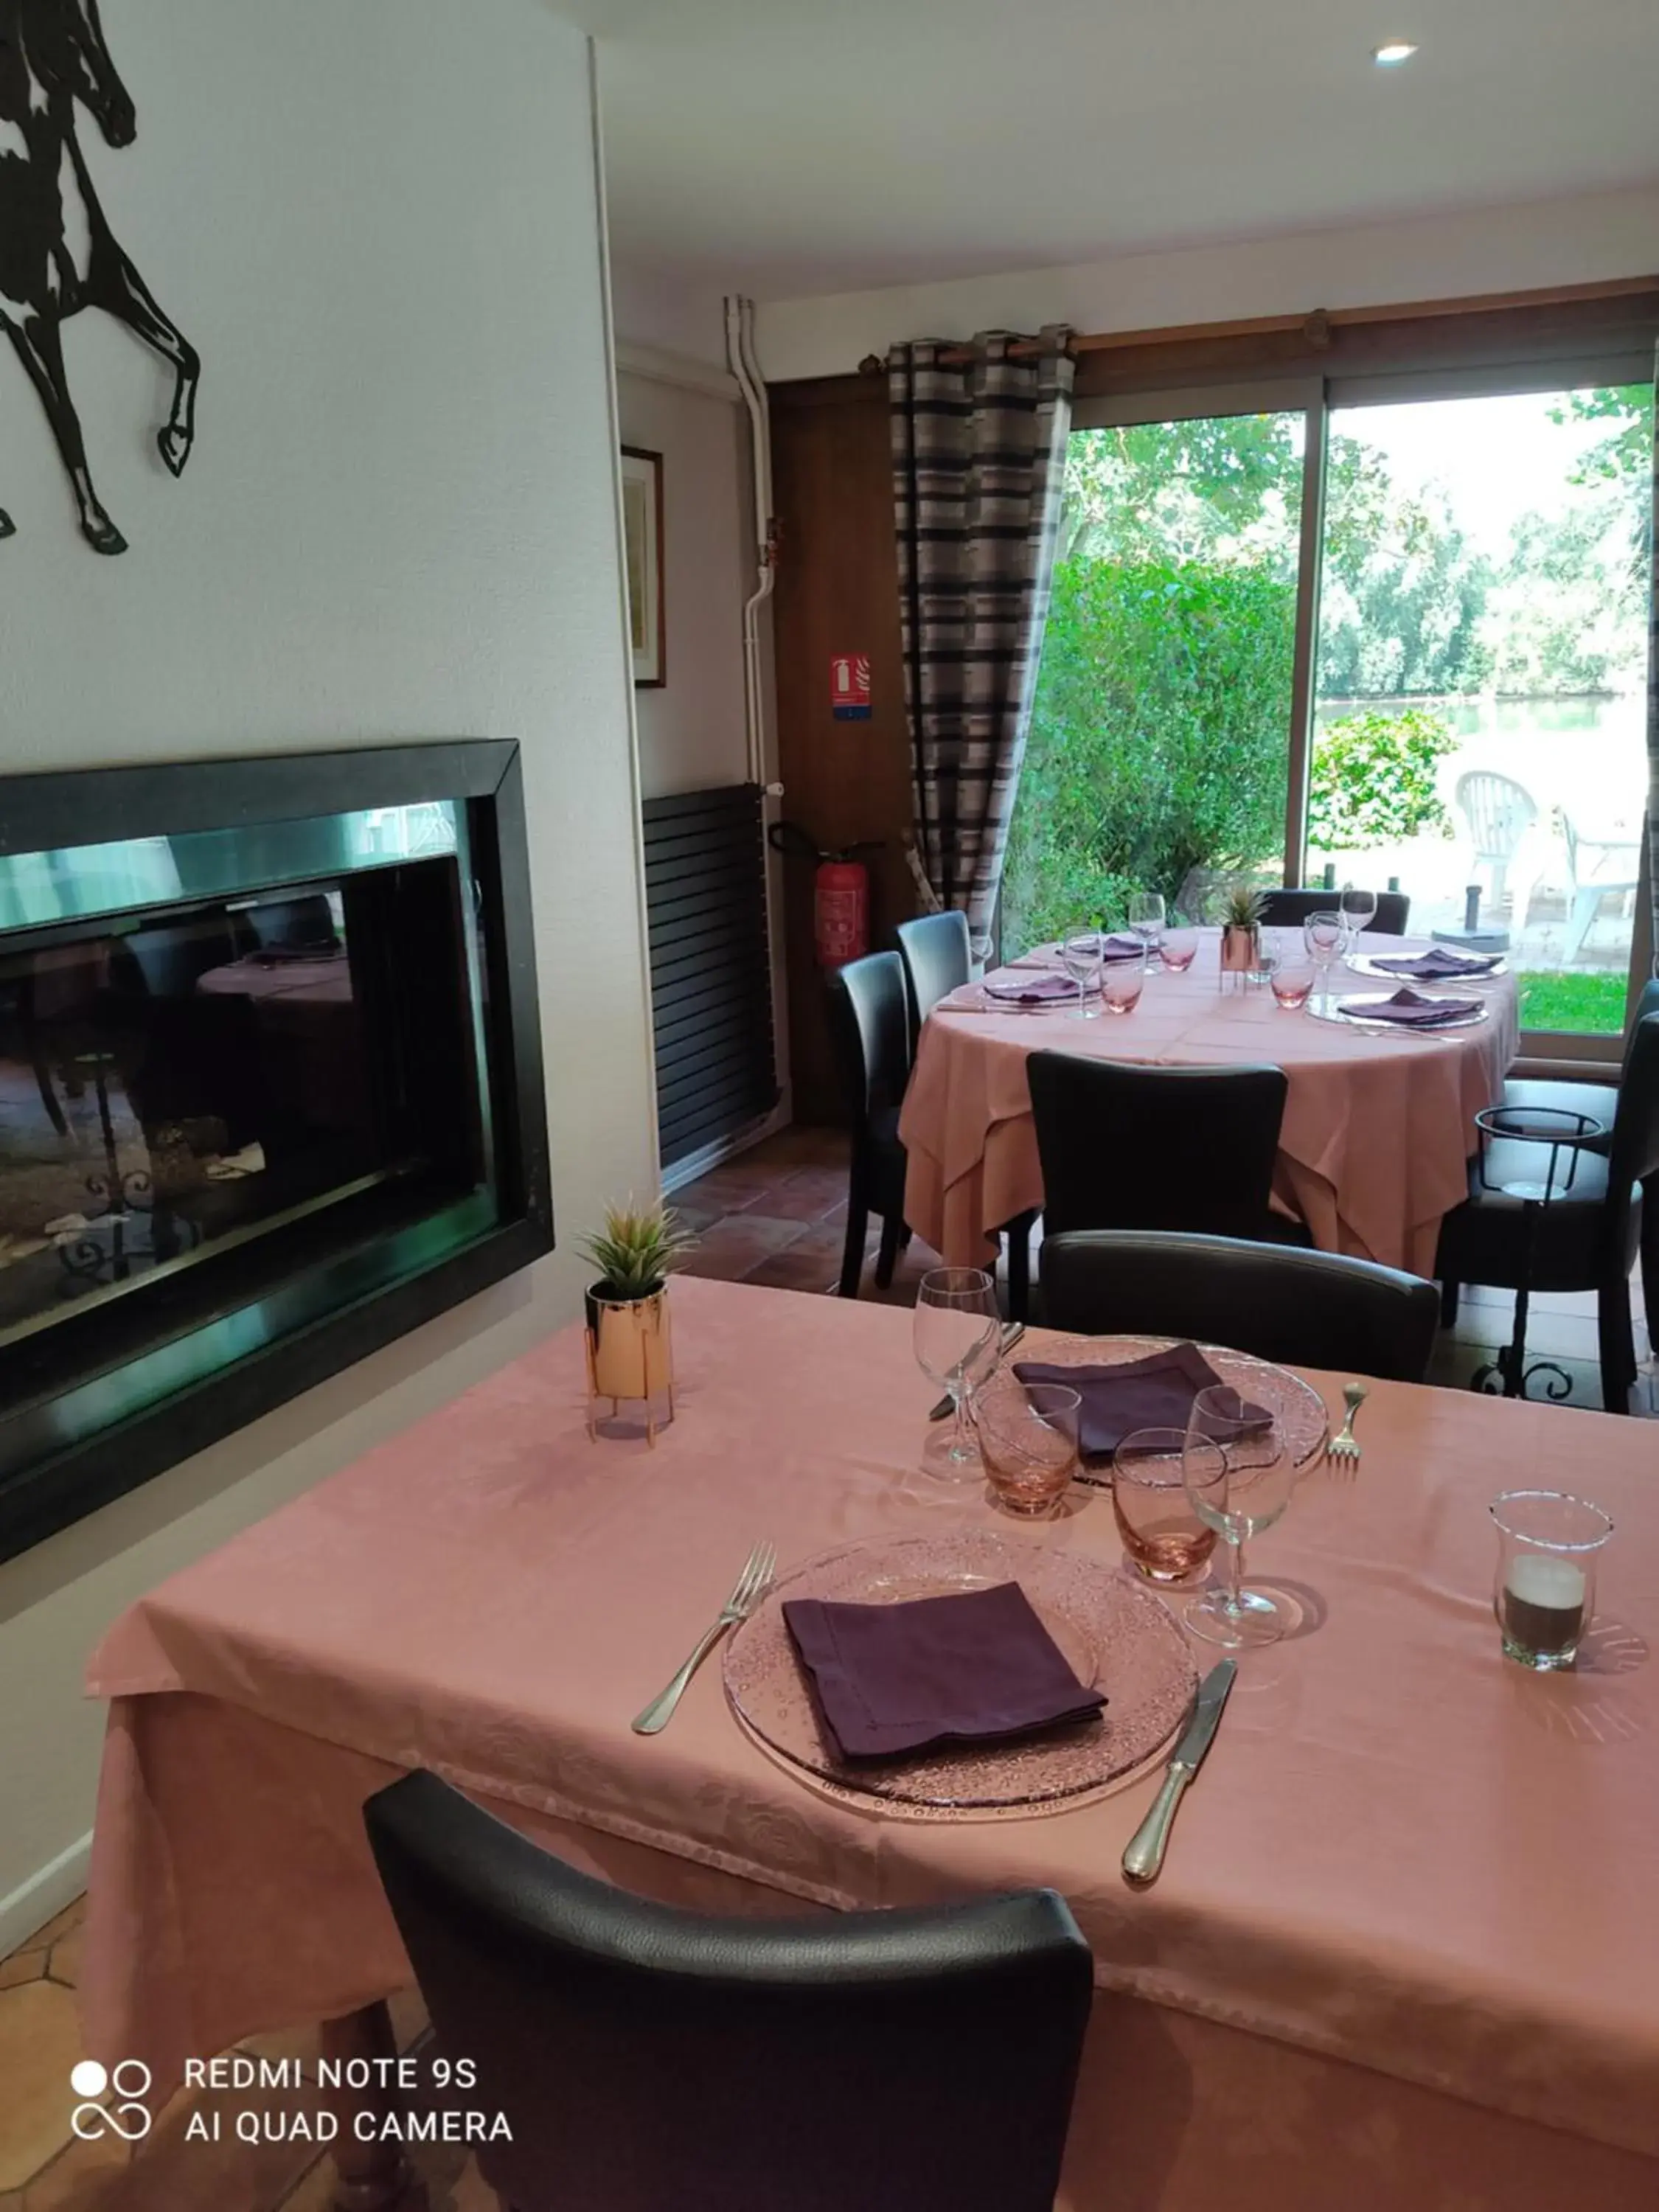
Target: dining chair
{"type": "Point", "coordinates": [1310, 1309]}
{"type": "Point", "coordinates": [939, 957]}
{"type": "Point", "coordinates": [650, 2059]}
{"type": "Point", "coordinates": [1588, 1236]}
{"type": "Point", "coordinates": [1183, 1148]}
{"type": "Point", "coordinates": [870, 1020]}
{"type": "Point", "coordinates": [1289, 909]}
{"type": "Point", "coordinates": [1498, 814]}
{"type": "Point", "coordinates": [1597, 868]}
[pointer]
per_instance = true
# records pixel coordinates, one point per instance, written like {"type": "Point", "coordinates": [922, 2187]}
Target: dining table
{"type": "Point", "coordinates": [1403, 1951]}
{"type": "Point", "coordinates": [1378, 1127]}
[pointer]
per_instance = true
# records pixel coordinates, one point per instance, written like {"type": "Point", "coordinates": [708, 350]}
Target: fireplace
{"type": "Point", "coordinates": [271, 1091]}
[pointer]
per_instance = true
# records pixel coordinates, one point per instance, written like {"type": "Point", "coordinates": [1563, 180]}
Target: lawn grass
{"type": "Point", "coordinates": [1585, 1004]}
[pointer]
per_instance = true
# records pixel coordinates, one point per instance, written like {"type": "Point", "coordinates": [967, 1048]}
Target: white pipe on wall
{"type": "Point", "coordinates": [740, 359]}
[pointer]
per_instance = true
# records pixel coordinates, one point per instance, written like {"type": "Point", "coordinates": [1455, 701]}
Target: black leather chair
{"type": "Point", "coordinates": [939, 957]}
{"type": "Point", "coordinates": [653, 2060]}
{"type": "Point", "coordinates": [870, 1019]}
{"type": "Point", "coordinates": [1310, 1309]}
{"type": "Point", "coordinates": [1586, 1239]}
{"type": "Point", "coordinates": [1289, 909]}
{"type": "Point", "coordinates": [1183, 1148]}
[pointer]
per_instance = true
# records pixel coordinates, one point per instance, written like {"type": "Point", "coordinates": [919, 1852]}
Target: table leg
{"type": "Point", "coordinates": [374, 2176]}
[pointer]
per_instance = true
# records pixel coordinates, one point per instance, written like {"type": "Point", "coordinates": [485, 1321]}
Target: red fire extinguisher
{"type": "Point", "coordinates": [840, 894]}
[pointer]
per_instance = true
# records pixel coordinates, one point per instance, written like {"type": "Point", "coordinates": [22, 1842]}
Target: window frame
{"type": "Point", "coordinates": [1274, 388]}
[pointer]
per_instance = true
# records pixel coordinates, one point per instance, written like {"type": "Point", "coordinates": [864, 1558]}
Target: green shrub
{"type": "Point", "coordinates": [1373, 780]}
{"type": "Point", "coordinates": [1158, 736]}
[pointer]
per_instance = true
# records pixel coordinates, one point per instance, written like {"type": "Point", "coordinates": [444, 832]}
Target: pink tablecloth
{"type": "Point", "coordinates": [1377, 1132]}
{"type": "Point", "coordinates": [1405, 1934]}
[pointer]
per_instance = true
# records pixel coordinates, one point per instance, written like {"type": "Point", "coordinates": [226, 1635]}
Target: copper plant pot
{"type": "Point", "coordinates": [628, 1351]}
{"type": "Point", "coordinates": [1240, 949]}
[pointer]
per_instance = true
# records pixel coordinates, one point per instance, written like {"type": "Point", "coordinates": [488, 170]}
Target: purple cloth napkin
{"type": "Point", "coordinates": [1437, 963]}
{"type": "Point", "coordinates": [1121, 947]}
{"type": "Point", "coordinates": [1411, 1010]}
{"type": "Point", "coordinates": [1153, 1393]}
{"type": "Point", "coordinates": [1032, 989]}
{"type": "Point", "coordinates": [965, 1667]}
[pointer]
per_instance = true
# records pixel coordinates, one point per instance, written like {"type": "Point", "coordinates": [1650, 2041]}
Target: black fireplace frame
{"type": "Point", "coordinates": [58, 810]}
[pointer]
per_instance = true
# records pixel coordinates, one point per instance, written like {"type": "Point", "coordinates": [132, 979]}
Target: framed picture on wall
{"type": "Point", "coordinates": [642, 485]}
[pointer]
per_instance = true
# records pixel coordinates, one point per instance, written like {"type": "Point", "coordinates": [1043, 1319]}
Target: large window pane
{"type": "Point", "coordinates": [1481, 665]}
{"type": "Point", "coordinates": [1159, 739]}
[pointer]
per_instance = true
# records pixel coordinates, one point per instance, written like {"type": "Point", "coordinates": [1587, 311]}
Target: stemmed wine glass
{"type": "Point", "coordinates": [1081, 955]}
{"type": "Point", "coordinates": [1146, 920]}
{"type": "Point", "coordinates": [957, 1334]}
{"type": "Point", "coordinates": [1323, 935]}
{"type": "Point", "coordinates": [1358, 911]}
{"type": "Point", "coordinates": [1239, 1481]}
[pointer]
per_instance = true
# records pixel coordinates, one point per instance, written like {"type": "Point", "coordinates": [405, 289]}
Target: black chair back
{"type": "Point", "coordinates": [870, 1016]}
{"type": "Point", "coordinates": [1634, 1154]}
{"type": "Point", "coordinates": [304, 923]}
{"type": "Point", "coordinates": [939, 957]}
{"type": "Point", "coordinates": [1310, 1308]}
{"type": "Point", "coordinates": [1289, 909]}
{"type": "Point", "coordinates": [653, 2060]}
{"type": "Point", "coordinates": [1186, 1148]}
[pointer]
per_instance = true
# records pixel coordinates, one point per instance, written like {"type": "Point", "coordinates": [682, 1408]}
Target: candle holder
{"type": "Point", "coordinates": [1544, 1590]}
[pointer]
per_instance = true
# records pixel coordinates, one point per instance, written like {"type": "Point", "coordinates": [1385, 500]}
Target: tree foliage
{"type": "Point", "coordinates": [1156, 742]}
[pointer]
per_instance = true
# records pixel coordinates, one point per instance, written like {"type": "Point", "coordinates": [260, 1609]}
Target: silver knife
{"type": "Point", "coordinates": [1143, 1857]}
{"type": "Point", "coordinates": [1010, 1336]}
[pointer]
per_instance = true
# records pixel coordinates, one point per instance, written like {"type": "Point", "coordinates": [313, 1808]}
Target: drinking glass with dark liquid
{"type": "Point", "coordinates": [1163, 1538]}
{"type": "Point", "coordinates": [1544, 1591]}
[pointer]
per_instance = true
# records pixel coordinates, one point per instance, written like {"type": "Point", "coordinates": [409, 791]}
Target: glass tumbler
{"type": "Point", "coordinates": [1544, 1589]}
{"type": "Point", "coordinates": [1163, 1536]}
{"type": "Point", "coordinates": [1028, 1438]}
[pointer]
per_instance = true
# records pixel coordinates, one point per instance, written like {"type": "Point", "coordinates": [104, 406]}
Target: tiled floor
{"type": "Point", "coordinates": [777, 1215]}
{"type": "Point", "coordinates": [44, 2167]}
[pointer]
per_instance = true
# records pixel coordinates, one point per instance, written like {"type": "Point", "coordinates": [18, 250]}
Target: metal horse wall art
{"type": "Point", "coordinates": [57, 253]}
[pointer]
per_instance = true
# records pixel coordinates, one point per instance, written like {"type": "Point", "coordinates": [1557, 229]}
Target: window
{"type": "Point", "coordinates": [1388, 629]}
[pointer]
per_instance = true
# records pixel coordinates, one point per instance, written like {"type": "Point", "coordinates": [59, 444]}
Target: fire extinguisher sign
{"type": "Point", "coordinates": [849, 686]}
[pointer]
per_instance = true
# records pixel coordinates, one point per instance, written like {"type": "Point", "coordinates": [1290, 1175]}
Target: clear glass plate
{"type": "Point", "coordinates": [1336, 1012]}
{"type": "Point", "coordinates": [1364, 963]}
{"type": "Point", "coordinates": [1296, 1405]}
{"type": "Point", "coordinates": [1117, 1636]}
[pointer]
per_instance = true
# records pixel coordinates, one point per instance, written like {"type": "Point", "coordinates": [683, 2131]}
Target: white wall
{"type": "Point", "coordinates": [379, 223]}
{"type": "Point", "coordinates": [1440, 256]}
{"type": "Point", "coordinates": [691, 729]}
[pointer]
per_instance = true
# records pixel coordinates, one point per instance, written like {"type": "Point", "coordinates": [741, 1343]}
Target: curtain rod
{"type": "Point", "coordinates": [1317, 327]}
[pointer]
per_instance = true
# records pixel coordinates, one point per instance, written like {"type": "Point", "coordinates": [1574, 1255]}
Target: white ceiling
{"type": "Point", "coordinates": [791, 147]}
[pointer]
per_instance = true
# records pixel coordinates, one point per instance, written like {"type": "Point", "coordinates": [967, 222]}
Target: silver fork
{"type": "Point", "coordinates": [1342, 1445]}
{"type": "Point", "coordinates": [749, 1589]}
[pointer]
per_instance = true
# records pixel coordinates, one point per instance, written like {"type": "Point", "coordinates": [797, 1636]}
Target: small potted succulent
{"type": "Point", "coordinates": [628, 1346]}
{"type": "Point", "coordinates": [1242, 908]}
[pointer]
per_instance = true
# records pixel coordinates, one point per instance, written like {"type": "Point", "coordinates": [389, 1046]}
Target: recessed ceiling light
{"type": "Point", "coordinates": [1396, 51]}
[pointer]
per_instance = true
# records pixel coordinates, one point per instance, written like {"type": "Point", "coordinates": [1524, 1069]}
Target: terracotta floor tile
{"type": "Point", "coordinates": [740, 1242]}
{"type": "Point", "coordinates": [64, 1924]}
{"type": "Point", "coordinates": [63, 1962]}
{"type": "Point", "coordinates": [86, 2177]}
{"type": "Point", "coordinates": [22, 1966]}
{"type": "Point", "coordinates": [39, 2042]}
{"type": "Point", "coordinates": [807, 1194]}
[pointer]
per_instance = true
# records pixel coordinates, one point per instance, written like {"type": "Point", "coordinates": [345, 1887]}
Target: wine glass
{"type": "Point", "coordinates": [1251, 1491]}
{"type": "Point", "coordinates": [1028, 1433]}
{"type": "Point", "coordinates": [1080, 955]}
{"type": "Point", "coordinates": [1323, 934]}
{"type": "Point", "coordinates": [956, 1331]}
{"type": "Point", "coordinates": [1358, 911]}
{"type": "Point", "coordinates": [1146, 919]}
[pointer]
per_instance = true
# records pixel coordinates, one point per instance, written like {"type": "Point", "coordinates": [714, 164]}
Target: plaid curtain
{"type": "Point", "coordinates": [979, 466]}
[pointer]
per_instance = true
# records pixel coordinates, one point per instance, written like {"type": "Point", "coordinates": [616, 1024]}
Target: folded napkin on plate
{"type": "Point", "coordinates": [1122, 948]}
{"type": "Point", "coordinates": [1410, 1009]}
{"type": "Point", "coordinates": [1030, 989]}
{"type": "Point", "coordinates": [1154, 1393]}
{"type": "Point", "coordinates": [967, 1667]}
{"type": "Point", "coordinates": [1438, 963]}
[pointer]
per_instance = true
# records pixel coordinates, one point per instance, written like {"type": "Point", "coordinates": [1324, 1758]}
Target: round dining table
{"type": "Point", "coordinates": [1378, 1127]}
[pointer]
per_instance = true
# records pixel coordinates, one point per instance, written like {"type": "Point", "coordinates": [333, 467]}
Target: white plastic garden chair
{"type": "Point", "coordinates": [1498, 812]}
{"type": "Point", "coordinates": [1596, 868]}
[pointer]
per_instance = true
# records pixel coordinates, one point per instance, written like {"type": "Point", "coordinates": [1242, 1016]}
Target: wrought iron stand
{"type": "Point", "coordinates": [1565, 1132]}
